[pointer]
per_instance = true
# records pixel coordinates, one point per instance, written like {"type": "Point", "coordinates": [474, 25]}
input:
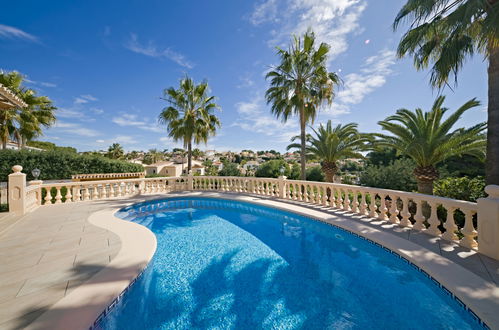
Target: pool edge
{"type": "Point", "coordinates": [476, 293]}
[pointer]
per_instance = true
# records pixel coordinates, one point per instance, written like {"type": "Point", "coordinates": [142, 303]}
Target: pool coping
{"type": "Point", "coordinates": [102, 291]}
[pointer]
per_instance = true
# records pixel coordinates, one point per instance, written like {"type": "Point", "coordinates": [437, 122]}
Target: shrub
{"type": "Point", "coordinates": [315, 174]}
{"type": "Point", "coordinates": [229, 169]}
{"type": "Point", "coordinates": [465, 188]}
{"type": "Point", "coordinates": [398, 175]}
{"type": "Point", "coordinates": [57, 164]}
{"type": "Point", "coordinates": [272, 169]}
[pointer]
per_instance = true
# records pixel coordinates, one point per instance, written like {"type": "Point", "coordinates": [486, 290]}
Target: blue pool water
{"type": "Point", "coordinates": [223, 264]}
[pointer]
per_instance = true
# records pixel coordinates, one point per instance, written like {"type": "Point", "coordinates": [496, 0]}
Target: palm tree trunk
{"type": "Point", "coordinates": [189, 157]}
{"type": "Point", "coordinates": [303, 160]}
{"type": "Point", "coordinates": [329, 170]}
{"type": "Point", "coordinates": [492, 164]}
{"type": "Point", "coordinates": [425, 187]}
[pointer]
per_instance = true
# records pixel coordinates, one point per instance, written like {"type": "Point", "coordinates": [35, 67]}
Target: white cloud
{"type": "Point", "coordinates": [10, 32]}
{"type": "Point", "coordinates": [40, 83]}
{"type": "Point", "coordinates": [122, 139]}
{"type": "Point", "coordinates": [74, 128]}
{"type": "Point", "coordinates": [331, 20]}
{"type": "Point", "coordinates": [372, 76]}
{"type": "Point", "coordinates": [152, 50]}
{"type": "Point", "coordinates": [82, 99]}
{"type": "Point", "coordinates": [128, 119]}
{"type": "Point", "coordinates": [97, 111]}
{"type": "Point", "coordinates": [255, 117]}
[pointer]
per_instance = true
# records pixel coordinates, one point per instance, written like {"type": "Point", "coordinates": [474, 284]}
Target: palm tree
{"type": "Point", "coordinates": [189, 115]}
{"type": "Point", "coordinates": [332, 144]}
{"type": "Point", "coordinates": [444, 34]}
{"type": "Point", "coordinates": [39, 113]}
{"type": "Point", "coordinates": [428, 140]}
{"type": "Point", "coordinates": [301, 84]}
{"type": "Point", "coordinates": [24, 124]}
{"type": "Point", "coordinates": [115, 151]}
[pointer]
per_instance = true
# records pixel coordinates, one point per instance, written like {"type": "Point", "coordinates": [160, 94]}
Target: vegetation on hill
{"type": "Point", "coordinates": [50, 146]}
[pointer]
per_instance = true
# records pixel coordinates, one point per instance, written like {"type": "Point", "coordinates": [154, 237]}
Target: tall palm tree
{"type": "Point", "coordinates": [115, 151]}
{"type": "Point", "coordinates": [189, 115]}
{"type": "Point", "coordinates": [332, 144]}
{"type": "Point", "coordinates": [445, 33]}
{"type": "Point", "coordinates": [427, 138]}
{"type": "Point", "coordinates": [24, 124]}
{"type": "Point", "coordinates": [301, 84]}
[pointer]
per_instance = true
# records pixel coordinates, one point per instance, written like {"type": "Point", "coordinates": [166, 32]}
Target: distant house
{"type": "Point", "coordinates": [15, 146]}
{"type": "Point", "coordinates": [169, 168]}
{"type": "Point", "coordinates": [251, 165]}
{"type": "Point", "coordinates": [219, 165]}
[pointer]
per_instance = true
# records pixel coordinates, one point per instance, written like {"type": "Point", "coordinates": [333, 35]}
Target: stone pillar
{"type": "Point", "coordinates": [488, 223]}
{"type": "Point", "coordinates": [17, 191]}
{"type": "Point", "coordinates": [190, 181]}
{"type": "Point", "coordinates": [282, 186]}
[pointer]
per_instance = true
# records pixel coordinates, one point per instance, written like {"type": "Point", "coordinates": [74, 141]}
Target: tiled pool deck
{"type": "Point", "coordinates": [52, 251]}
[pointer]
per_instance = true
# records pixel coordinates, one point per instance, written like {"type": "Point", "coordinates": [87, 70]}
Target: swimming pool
{"type": "Point", "coordinates": [231, 265]}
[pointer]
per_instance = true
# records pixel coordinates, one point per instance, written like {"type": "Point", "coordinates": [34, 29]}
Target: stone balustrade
{"type": "Point", "coordinates": [107, 176]}
{"type": "Point", "coordinates": [472, 225]}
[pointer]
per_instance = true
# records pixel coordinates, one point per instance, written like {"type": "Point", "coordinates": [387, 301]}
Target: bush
{"type": "Point", "coordinates": [315, 174]}
{"type": "Point", "coordinates": [57, 164]}
{"type": "Point", "coordinates": [465, 188]}
{"type": "Point", "coordinates": [229, 169]}
{"type": "Point", "coordinates": [398, 175]}
{"type": "Point", "coordinates": [272, 169]}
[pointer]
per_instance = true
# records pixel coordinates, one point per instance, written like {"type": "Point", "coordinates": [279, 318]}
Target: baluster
{"type": "Point", "coordinates": [68, 195]}
{"type": "Point", "coordinates": [339, 198]}
{"type": "Point", "coordinates": [48, 196]}
{"type": "Point", "coordinates": [382, 208]}
{"type": "Point", "coordinates": [313, 194]}
{"type": "Point", "coordinates": [406, 215]}
{"type": "Point", "coordinates": [418, 217]}
{"type": "Point", "coordinates": [332, 198]}
{"type": "Point", "coordinates": [433, 220]}
{"type": "Point", "coordinates": [468, 230]}
{"type": "Point", "coordinates": [58, 196]}
{"type": "Point", "coordinates": [77, 195]}
{"type": "Point", "coordinates": [102, 190]}
{"type": "Point", "coordinates": [86, 194]}
{"type": "Point", "coordinates": [363, 204]}
{"type": "Point", "coordinates": [373, 207]}
{"type": "Point", "coordinates": [95, 193]}
{"type": "Point", "coordinates": [111, 190]}
{"type": "Point", "coordinates": [355, 205]}
{"type": "Point", "coordinates": [394, 212]}
{"type": "Point", "coordinates": [324, 196]}
{"type": "Point", "coordinates": [346, 200]}
{"type": "Point", "coordinates": [450, 225]}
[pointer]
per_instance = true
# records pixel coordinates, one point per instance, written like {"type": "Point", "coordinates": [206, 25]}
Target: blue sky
{"type": "Point", "coordinates": [106, 63]}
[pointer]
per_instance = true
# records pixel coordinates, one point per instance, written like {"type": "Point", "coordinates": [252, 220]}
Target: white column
{"type": "Point", "coordinates": [488, 223]}
{"type": "Point", "coordinates": [282, 186]}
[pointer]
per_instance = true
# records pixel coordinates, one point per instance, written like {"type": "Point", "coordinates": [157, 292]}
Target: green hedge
{"type": "Point", "coordinates": [58, 164]}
